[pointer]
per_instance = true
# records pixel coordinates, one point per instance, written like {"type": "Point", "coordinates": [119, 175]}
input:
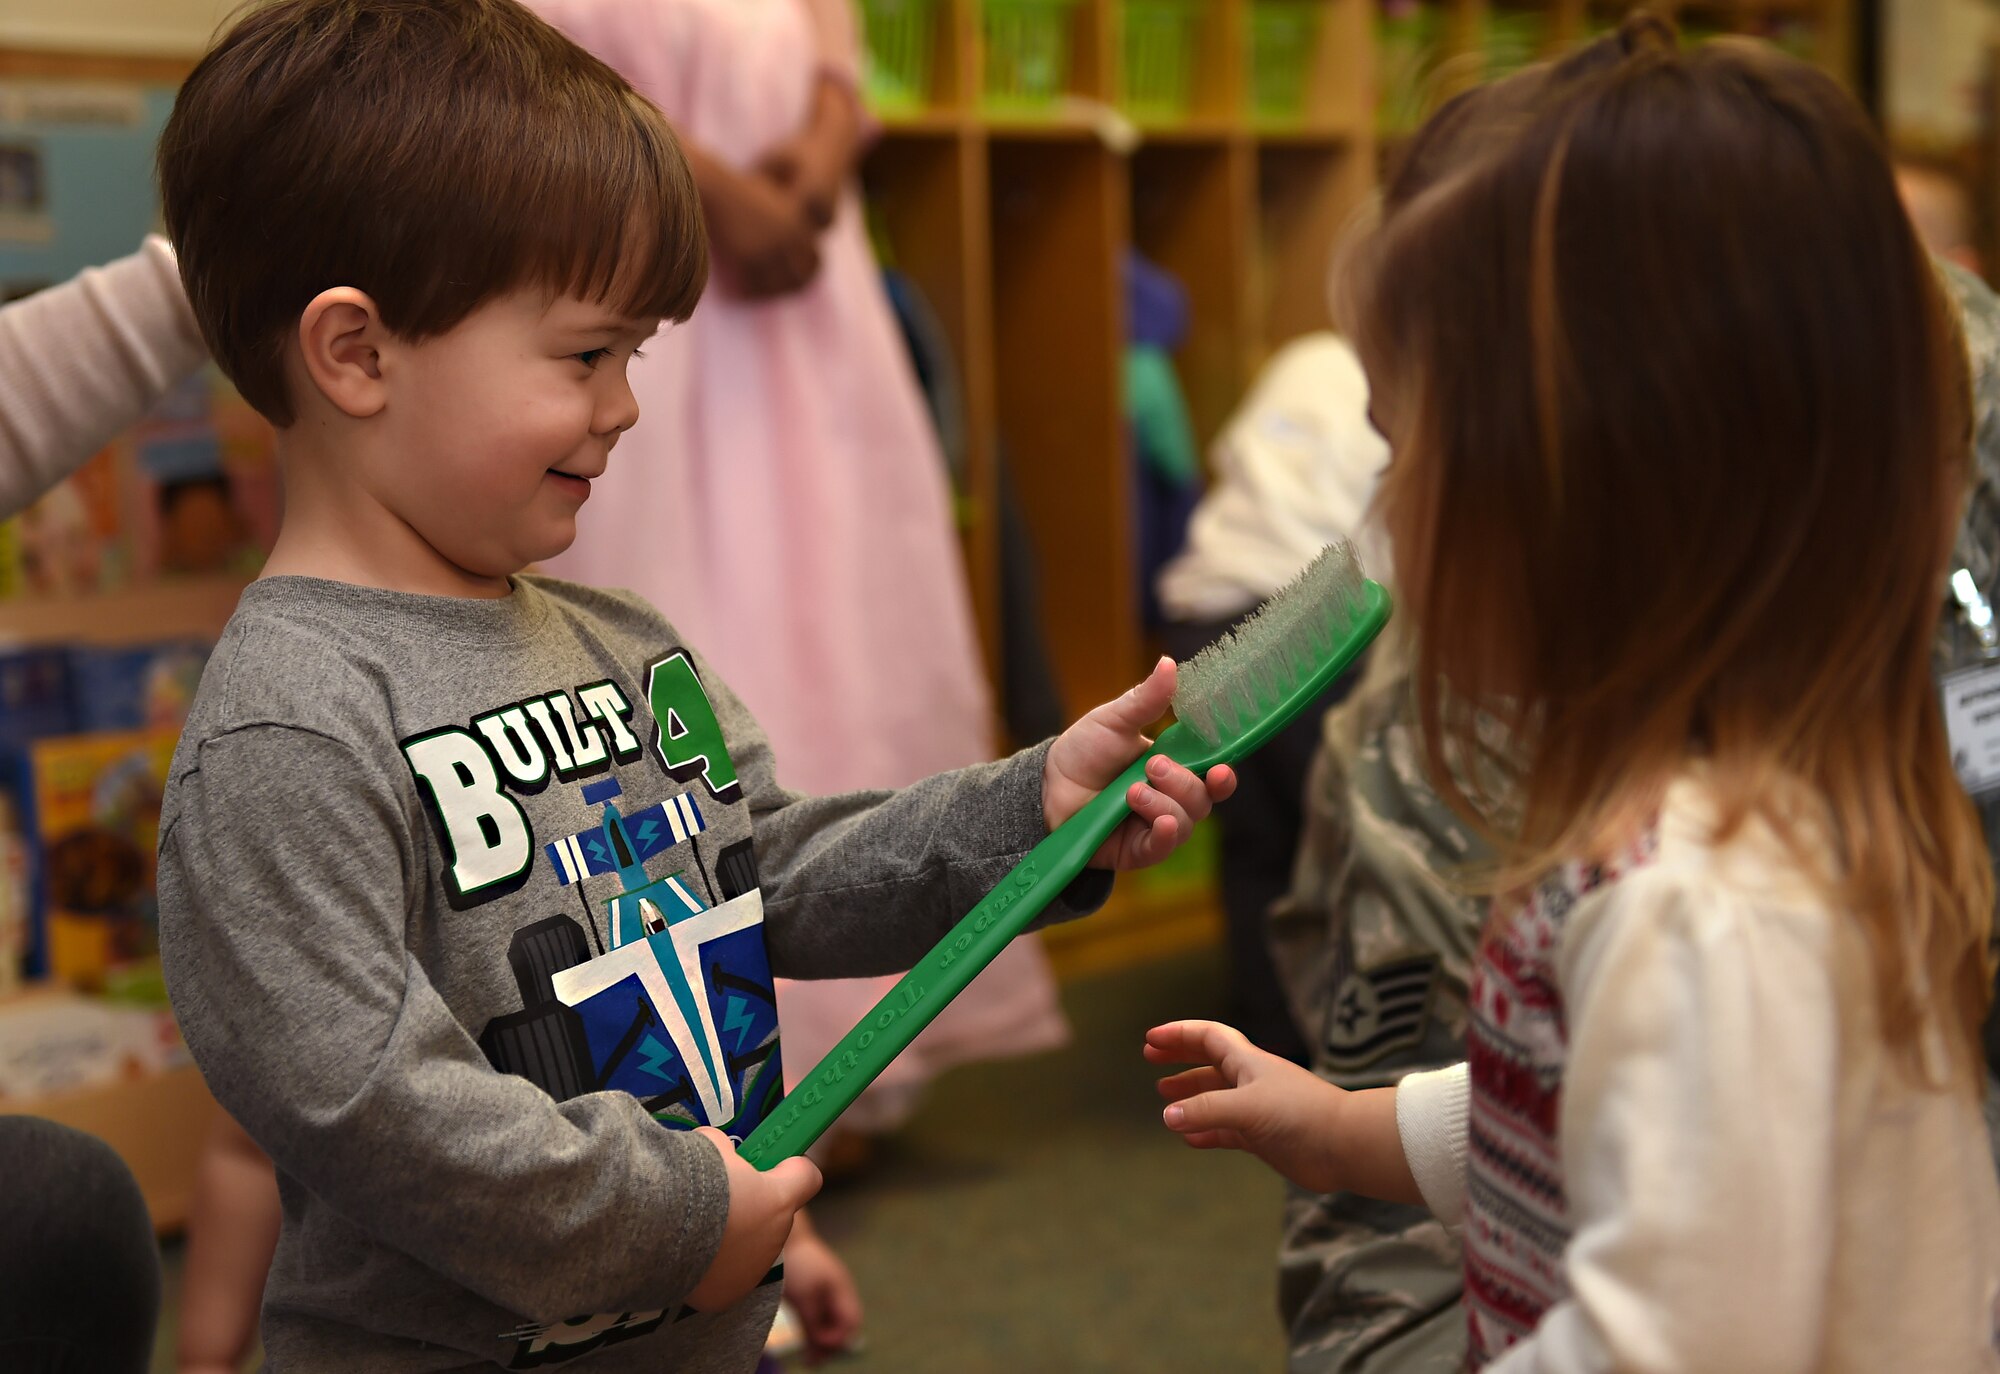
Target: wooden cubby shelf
{"type": "Point", "coordinates": [1026, 239]}
{"type": "Point", "coordinates": [1017, 219]}
{"type": "Point", "coordinates": [1243, 206]}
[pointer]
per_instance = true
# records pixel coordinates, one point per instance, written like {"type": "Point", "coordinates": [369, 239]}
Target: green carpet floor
{"type": "Point", "coordinates": [1035, 1218]}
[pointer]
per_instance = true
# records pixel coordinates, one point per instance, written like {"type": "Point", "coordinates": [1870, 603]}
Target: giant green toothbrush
{"type": "Point", "coordinates": [1231, 698]}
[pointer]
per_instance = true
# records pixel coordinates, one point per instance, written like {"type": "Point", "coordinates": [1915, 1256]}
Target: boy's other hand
{"type": "Point", "coordinates": [1089, 756]}
{"type": "Point", "coordinates": [761, 1207]}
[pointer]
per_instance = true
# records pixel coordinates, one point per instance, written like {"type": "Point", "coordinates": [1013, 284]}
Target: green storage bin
{"type": "Point", "coordinates": [1189, 871]}
{"type": "Point", "coordinates": [1159, 43]}
{"type": "Point", "coordinates": [901, 37]}
{"type": "Point", "coordinates": [1513, 39]}
{"type": "Point", "coordinates": [1409, 55]}
{"type": "Point", "coordinates": [1794, 37]}
{"type": "Point", "coordinates": [1695, 32]}
{"type": "Point", "coordinates": [1284, 35]}
{"type": "Point", "coordinates": [1027, 45]}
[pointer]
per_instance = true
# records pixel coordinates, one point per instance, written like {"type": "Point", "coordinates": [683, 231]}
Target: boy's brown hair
{"type": "Point", "coordinates": [432, 153]}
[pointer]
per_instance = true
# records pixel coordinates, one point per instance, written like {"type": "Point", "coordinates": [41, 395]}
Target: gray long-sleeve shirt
{"type": "Point", "coordinates": [460, 914]}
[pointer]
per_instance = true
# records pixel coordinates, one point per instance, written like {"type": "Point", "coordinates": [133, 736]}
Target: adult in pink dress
{"type": "Point", "coordinates": [782, 499]}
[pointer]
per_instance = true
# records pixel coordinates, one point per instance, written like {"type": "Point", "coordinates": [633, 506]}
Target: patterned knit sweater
{"type": "Point", "coordinates": [1681, 1144]}
{"type": "Point", "coordinates": [1517, 1219]}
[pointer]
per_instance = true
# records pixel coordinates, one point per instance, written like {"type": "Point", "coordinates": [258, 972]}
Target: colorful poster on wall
{"type": "Point", "coordinates": [192, 488]}
{"type": "Point", "coordinates": [91, 809]}
{"type": "Point", "coordinates": [76, 176]}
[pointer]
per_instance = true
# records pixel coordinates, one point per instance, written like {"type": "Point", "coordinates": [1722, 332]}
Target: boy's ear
{"type": "Point", "coordinates": [341, 338]}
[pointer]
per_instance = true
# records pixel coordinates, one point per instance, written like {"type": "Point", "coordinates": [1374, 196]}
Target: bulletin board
{"type": "Point", "coordinates": [77, 138]}
{"type": "Point", "coordinates": [189, 493]}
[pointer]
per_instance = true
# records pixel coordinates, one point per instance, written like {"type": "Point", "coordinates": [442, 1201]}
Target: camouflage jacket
{"type": "Point", "coordinates": [1375, 948]}
{"type": "Point", "coordinates": [1977, 549]}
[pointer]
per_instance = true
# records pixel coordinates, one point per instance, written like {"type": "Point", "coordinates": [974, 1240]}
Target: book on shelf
{"type": "Point", "coordinates": [192, 489]}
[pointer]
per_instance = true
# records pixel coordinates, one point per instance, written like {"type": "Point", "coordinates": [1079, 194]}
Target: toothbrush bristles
{"type": "Point", "coordinates": [1230, 685]}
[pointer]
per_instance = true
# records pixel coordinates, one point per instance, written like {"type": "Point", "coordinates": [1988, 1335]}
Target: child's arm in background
{"type": "Point", "coordinates": [822, 1291]}
{"type": "Point", "coordinates": [764, 223]}
{"type": "Point", "coordinates": [1238, 1097]}
{"type": "Point", "coordinates": [230, 1236]}
{"type": "Point", "coordinates": [284, 911]}
{"type": "Point", "coordinates": [1698, 1132]}
{"type": "Point", "coordinates": [763, 239]}
{"type": "Point", "coordinates": [836, 44]}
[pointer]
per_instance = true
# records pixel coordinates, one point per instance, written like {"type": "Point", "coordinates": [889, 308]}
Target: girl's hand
{"type": "Point", "coordinates": [1089, 756]}
{"type": "Point", "coordinates": [1241, 1098]}
{"type": "Point", "coordinates": [815, 163]}
{"type": "Point", "coordinates": [821, 1290]}
{"type": "Point", "coordinates": [765, 245]}
{"type": "Point", "coordinates": [802, 167]}
{"type": "Point", "coordinates": [1323, 1138]}
{"type": "Point", "coordinates": [761, 1208]}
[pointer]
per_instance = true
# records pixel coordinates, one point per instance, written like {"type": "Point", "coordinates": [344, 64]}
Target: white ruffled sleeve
{"type": "Point", "coordinates": [1431, 1110]}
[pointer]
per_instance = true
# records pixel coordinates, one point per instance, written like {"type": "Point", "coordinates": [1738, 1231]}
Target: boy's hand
{"type": "Point", "coordinates": [1089, 756]}
{"type": "Point", "coordinates": [761, 1207]}
{"type": "Point", "coordinates": [821, 1290]}
{"type": "Point", "coordinates": [1242, 1098]}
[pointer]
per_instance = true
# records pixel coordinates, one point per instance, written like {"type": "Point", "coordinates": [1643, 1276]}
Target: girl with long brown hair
{"type": "Point", "coordinates": [1679, 422]}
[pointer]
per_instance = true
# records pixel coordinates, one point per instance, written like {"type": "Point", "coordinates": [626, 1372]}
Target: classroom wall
{"type": "Point", "coordinates": [163, 27]}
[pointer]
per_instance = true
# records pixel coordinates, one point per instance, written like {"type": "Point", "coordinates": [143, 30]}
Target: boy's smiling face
{"type": "Point", "coordinates": [462, 169]}
{"type": "Point", "coordinates": [498, 427]}
{"type": "Point", "coordinates": [443, 465]}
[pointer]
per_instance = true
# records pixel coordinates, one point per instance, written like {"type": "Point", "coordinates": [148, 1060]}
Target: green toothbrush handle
{"type": "Point", "coordinates": [805, 1113]}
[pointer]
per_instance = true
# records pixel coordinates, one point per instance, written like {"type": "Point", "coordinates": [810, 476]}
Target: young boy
{"type": "Point", "coordinates": [459, 901]}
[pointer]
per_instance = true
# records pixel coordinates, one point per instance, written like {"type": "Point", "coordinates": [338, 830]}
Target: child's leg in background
{"type": "Point", "coordinates": [230, 1238]}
